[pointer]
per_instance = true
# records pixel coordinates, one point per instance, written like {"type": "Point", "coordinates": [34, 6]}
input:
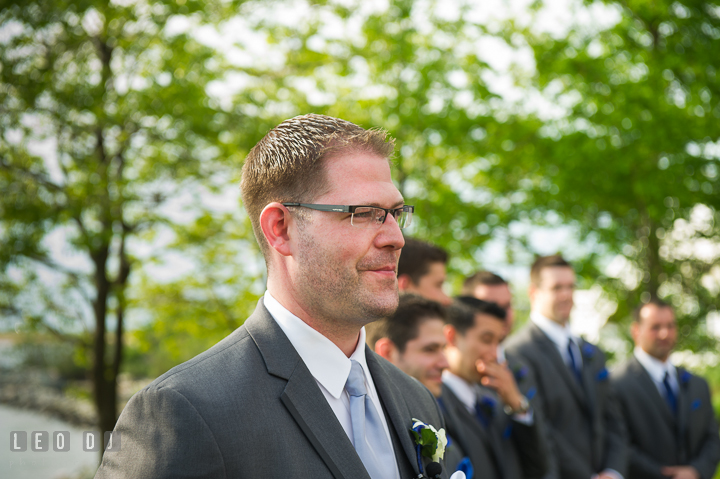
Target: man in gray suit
{"type": "Point", "coordinates": [413, 340]}
{"type": "Point", "coordinates": [483, 400]}
{"type": "Point", "coordinates": [584, 424]}
{"type": "Point", "coordinates": [668, 411]}
{"type": "Point", "coordinates": [295, 392]}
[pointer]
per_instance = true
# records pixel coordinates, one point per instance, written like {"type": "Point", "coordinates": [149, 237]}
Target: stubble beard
{"type": "Point", "coordinates": [337, 294]}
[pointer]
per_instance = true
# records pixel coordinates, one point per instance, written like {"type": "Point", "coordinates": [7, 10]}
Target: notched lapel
{"type": "Point", "coordinates": [684, 401]}
{"type": "Point", "coordinates": [647, 385]}
{"type": "Point", "coordinates": [308, 407]}
{"type": "Point", "coordinates": [395, 407]}
{"type": "Point", "coordinates": [490, 438]}
{"type": "Point", "coordinates": [302, 397]}
{"type": "Point", "coordinates": [589, 378]}
{"type": "Point", "coordinates": [551, 352]}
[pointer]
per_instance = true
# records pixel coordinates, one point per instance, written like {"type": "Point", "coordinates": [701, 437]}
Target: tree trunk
{"type": "Point", "coordinates": [103, 380]}
{"type": "Point", "coordinates": [652, 256]}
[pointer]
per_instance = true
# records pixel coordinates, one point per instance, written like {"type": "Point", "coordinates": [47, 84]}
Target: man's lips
{"type": "Point", "coordinates": [385, 270]}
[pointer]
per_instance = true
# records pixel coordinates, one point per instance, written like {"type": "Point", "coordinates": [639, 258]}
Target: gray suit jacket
{"type": "Point", "coordinates": [583, 421]}
{"type": "Point", "coordinates": [505, 450]}
{"type": "Point", "coordinates": [249, 408]}
{"type": "Point", "coordinates": [657, 437]}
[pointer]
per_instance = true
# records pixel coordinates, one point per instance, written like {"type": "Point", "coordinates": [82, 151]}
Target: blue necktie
{"type": "Point", "coordinates": [670, 396]}
{"type": "Point", "coordinates": [371, 441]}
{"type": "Point", "coordinates": [485, 410]}
{"type": "Point", "coordinates": [574, 363]}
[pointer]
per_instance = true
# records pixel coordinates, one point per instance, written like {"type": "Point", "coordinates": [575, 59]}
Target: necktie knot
{"type": "Point", "coordinates": [355, 385]}
{"type": "Point", "coordinates": [485, 410]}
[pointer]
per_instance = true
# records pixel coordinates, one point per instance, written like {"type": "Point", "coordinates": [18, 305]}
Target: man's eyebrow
{"type": "Point", "coordinates": [397, 204]}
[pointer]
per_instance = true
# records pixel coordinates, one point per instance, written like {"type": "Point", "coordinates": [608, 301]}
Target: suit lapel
{"type": "Point", "coordinates": [683, 405]}
{"type": "Point", "coordinates": [396, 410]}
{"type": "Point", "coordinates": [589, 381]}
{"type": "Point", "coordinates": [647, 385]}
{"type": "Point", "coordinates": [302, 397]}
{"type": "Point", "coordinates": [488, 436]}
{"type": "Point", "coordinates": [550, 351]}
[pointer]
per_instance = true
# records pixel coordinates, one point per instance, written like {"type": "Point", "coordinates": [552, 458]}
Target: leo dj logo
{"type": "Point", "coordinates": [40, 441]}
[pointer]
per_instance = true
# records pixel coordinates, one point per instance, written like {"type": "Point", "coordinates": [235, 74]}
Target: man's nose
{"type": "Point", "coordinates": [390, 234]}
{"type": "Point", "coordinates": [442, 362]}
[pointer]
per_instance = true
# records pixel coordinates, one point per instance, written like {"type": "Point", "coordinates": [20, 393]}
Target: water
{"type": "Point", "coordinates": [41, 465]}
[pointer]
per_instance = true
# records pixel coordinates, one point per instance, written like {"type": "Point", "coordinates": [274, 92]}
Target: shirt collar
{"type": "Point", "coordinates": [560, 335]}
{"type": "Point", "coordinates": [325, 361]}
{"type": "Point", "coordinates": [655, 368]}
{"type": "Point", "coordinates": [467, 393]}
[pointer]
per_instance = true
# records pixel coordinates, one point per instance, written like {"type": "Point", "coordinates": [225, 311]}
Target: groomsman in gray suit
{"type": "Point", "coordinates": [588, 436]}
{"type": "Point", "coordinates": [669, 416]}
{"type": "Point", "coordinates": [413, 340]}
{"type": "Point", "coordinates": [295, 392]}
{"type": "Point", "coordinates": [485, 409]}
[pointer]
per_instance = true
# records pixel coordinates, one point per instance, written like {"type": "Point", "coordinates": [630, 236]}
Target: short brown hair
{"type": "Point", "coordinates": [543, 262]}
{"type": "Point", "coordinates": [287, 164]}
{"type": "Point", "coordinates": [655, 302]}
{"type": "Point", "coordinates": [404, 324]}
{"type": "Point", "coordinates": [417, 256]}
{"type": "Point", "coordinates": [481, 277]}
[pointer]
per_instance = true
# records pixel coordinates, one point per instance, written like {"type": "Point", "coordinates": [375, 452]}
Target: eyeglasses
{"type": "Point", "coordinates": [366, 216]}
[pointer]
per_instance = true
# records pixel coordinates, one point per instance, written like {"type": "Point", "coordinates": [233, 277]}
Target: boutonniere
{"type": "Point", "coordinates": [429, 442]}
{"type": "Point", "coordinates": [685, 377]}
{"type": "Point", "coordinates": [588, 350]}
{"type": "Point", "coordinates": [603, 374]}
{"type": "Point", "coordinates": [520, 373]}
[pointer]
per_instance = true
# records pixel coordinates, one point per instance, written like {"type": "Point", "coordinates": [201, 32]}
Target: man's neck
{"type": "Point", "coordinates": [661, 359]}
{"type": "Point", "coordinates": [563, 322]}
{"type": "Point", "coordinates": [458, 371]}
{"type": "Point", "coordinates": [344, 336]}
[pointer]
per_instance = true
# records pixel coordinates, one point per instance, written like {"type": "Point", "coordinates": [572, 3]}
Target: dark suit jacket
{"type": "Point", "coordinates": [507, 449]}
{"type": "Point", "coordinates": [583, 421]}
{"type": "Point", "coordinates": [249, 408]}
{"type": "Point", "coordinates": [659, 438]}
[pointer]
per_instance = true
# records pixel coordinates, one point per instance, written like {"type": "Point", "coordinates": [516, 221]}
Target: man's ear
{"type": "Point", "coordinates": [275, 223]}
{"type": "Point", "coordinates": [404, 282]}
{"type": "Point", "coordinates": [450, 334]}
{"type": "Point", "coordinates": [531, 292]}
{"type": "Point", "coordinates": [634, 327]}
{"type": "Point", "coordinates": [385, 348]}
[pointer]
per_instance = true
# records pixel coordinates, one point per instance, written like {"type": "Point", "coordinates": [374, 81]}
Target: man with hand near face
{"type": "Point", "coordinates": [485, 410]}
{"type": "Point", "coordinates": [295, 392]}
{"type": "Point", "coordinates": [668, 411]}
{"type": "Point", "coordinates": [585, 427]}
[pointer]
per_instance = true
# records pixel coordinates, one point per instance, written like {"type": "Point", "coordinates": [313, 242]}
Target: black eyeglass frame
{"type": "Point", "coordinates": [351, 208]}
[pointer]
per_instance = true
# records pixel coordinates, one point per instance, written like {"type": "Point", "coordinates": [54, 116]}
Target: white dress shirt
{"type": "Point", "coordinates": [327, 364]}
{"type": "Point", "coordinates": [657, 369]}
{"type": "Point", "coordinates": [560, 336]}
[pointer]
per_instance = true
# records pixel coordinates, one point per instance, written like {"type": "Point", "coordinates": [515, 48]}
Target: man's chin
{"type": "Point", "coordinates": [379, 308]}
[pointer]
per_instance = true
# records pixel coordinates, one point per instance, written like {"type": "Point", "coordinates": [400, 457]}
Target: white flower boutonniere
{"type": "Point", "coordinates": [429, 441]}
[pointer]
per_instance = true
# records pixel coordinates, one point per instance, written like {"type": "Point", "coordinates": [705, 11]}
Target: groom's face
{"type": "Point", "coordinates": [349, 273]}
